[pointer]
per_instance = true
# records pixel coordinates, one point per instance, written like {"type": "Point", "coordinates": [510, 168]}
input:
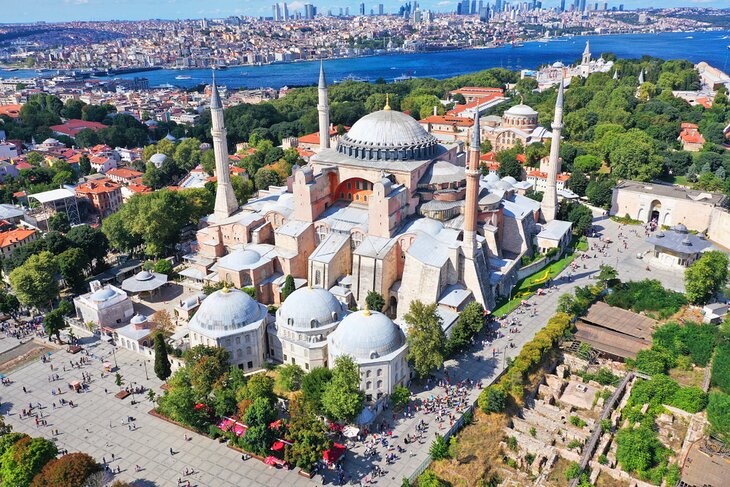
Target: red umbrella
{"type": "Point", "coordinates": [279, 445]}
{"type": "Point", "coordinates": [270, 460]}
{"type": "Point", "coordinates": [276, 424]}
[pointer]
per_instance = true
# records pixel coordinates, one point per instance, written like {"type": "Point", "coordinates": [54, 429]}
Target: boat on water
{"type": "Point", "coordinates": [403, 77]}
{"type": "Point", "coordinates": [351, 77]}
{"type": "Point", "coordinates": [11, 69]}
{"type": "Point", "coordinates": [183, 76]}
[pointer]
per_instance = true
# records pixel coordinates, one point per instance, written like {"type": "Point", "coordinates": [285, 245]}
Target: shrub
{"type": "Point", "coordinates": [721, 368]}
{"type": "Point", "coordinates": [493, 399]}
{"type": "Point", "coordinates": [691, 399]}
{"type": "Point", "coordinates": [639, 449]}
{"type": "Point", "coordinates": [533, 431]}
{"type": "Point", "coordinates": [574, 444]}
{"type": "Point", "coordinates": [572, 471]}
{"type": "Point", "coordinates": [439, 449]}
{"type": "Point", "coordinates": [603, 459]}
{"type": "Point", "coordinates": [718, 414]}
{"type": "Point", "coordinates": [512, 443]}
{"type": "Point", "coordinates": [576, 421]}
{"type": "Point", "coordinates": [652, 362]}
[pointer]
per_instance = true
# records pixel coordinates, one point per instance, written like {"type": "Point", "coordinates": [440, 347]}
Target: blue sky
{"type": "Point", "coordinates": [63, 10]}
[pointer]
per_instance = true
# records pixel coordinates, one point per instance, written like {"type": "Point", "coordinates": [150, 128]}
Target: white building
{"type": "Point", "coordinates": [137, 334]}
{"type": "Point", "coordinates": [231, 319]}
{"type": "Point", "coordinates": [303, 323]}
{"type": "Point", "coordinates": [106, 306]}
{"type": "Point", "coordinates": [378, 346]}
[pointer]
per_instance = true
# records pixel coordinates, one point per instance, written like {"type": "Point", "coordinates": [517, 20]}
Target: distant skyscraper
{"type": "Point", "coordinates": [277, 12]}
{"type": "Point", "coordinates": [498, 6]}
{"type": "Point", "coordinates": [347, 11]}
{"type": "Point", "coordinates": [362, 8]}
{"type": "Point", "coordinates": [286, 12]}
{"type": "Point", "coordinates": [621, 7]}
{"type": "Point", "coordinates": [562, 5]}
{"type": "Point", "coordinates": [473, 7]}
{"type": "Point", "coordinates": [309, 11]}
{"type": "Point", "coordinates": [381, 9]}
{"type": "Point", "coordinates": [340, 11]}
{"type": "Point", "coordinates": [582, 5]}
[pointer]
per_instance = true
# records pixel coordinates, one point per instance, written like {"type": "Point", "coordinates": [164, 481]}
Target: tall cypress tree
{"type": "Point", "coordinates": [162, 363]}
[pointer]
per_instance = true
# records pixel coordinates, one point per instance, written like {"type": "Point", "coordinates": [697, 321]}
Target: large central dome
{"type": "Point", "coordinates": [387, 135]}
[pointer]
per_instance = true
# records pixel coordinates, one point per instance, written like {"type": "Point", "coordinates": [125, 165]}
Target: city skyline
{"type": "Point", "coordinates": [18, 11]}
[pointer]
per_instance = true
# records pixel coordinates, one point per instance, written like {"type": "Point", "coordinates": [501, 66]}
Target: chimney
{"type": "Point", "coordinates": [435, 110]}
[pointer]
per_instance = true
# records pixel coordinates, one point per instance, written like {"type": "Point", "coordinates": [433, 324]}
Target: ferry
{"type": "Point", "coordinates": [183, 76]}
{"type": "Point", "coordinates": [403, 77]}
{"type": "Point", "coordinates": [352, 77]}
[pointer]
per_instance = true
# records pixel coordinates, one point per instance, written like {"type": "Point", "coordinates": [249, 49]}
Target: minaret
{"type": "Point", "coordinates": [641, 77]}
{"type": "Point", "coordinates": [323, 107]}
{"type": "Point", "coordinates": [549, 205]}
{"type": "Point", "coordinates": [225, 200]}
{"type": "Point", "coordinates": [587, 53]}
{"type": "Point", "coordinates": [615, 74]}
{"type": "Point", "coordinates": [472, 191]}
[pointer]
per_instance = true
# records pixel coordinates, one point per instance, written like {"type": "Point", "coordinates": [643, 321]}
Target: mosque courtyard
{"type": "Point", "coordinates": [97, 422]}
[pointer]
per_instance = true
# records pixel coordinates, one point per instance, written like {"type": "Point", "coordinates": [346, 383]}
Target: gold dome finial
{"type": "Point", "coordinates": [387, 102]}
{"type": "Point", "coordinates": [367, 310]}
{"type": "Point", "coordinates": [225, 288]}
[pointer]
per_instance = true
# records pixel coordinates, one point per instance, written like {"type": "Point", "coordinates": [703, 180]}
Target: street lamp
{"type": "Point", "coordinates": [115, 358]}
{"type": "Point", "coordinates": [144, 362]}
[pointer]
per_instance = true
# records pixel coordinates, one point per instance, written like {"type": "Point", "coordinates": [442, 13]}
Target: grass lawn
{"type": "Point", "coordinates": [680, 180]}
{"type": "Point", "coordinates": [527, 287]}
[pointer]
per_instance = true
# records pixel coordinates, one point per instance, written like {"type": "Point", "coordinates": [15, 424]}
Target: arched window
{"type": "Point", "coordinates": [317, 277]}
{"type": "Point", "coordinates": [380, 384]}
{"type": "Point", "coordinates": [368, 385]}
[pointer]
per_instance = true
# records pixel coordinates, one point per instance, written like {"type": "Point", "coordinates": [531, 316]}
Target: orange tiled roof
{"type": "Point", "coordinates": [98, 186]}
{"type": "Point", "coordinates": [460, 108]}
{"type": "Point", "coordinates": [446, 119]}
{"type": "Point", "coordinates": [12, 111]}
{"type": "Point", "coordinates": [489, 157]}
{"type": "Point", "coordinates": [543, 175]}
{"type": "Point", "coordinates": [139, 188]}
{"type": "Point", "coordinates": [73, 127]}
{"type": "Point", "coordinates": [314, 138]}
{"type": "Point", "coordinates": [690, 134]}
{"type": "Point", "coordinates": [124, 173]}
{"type": "Point", "coordinates": [14, 236]}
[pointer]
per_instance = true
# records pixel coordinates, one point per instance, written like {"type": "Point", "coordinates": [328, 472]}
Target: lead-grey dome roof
{"type": "Point", "coordinates": [366, 335]}
{"type": "Point", "coordinates": [308, 308]}
{"type": "Point", "coordinates": [521, 109]}
{"type": "Point", "coordinates": [103, 295]}
{"type": "Point", "coordinates": [226, 310]}
{"type": "Point", "coordinates": [158, 158]}
{"type": "Point", "coordinates": [387, 135]}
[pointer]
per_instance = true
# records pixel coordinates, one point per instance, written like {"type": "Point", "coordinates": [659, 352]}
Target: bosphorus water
{"type": "Point", "coordinates": [694, 46]}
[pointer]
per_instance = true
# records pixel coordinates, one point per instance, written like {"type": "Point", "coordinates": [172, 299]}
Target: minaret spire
{"type": "Point", "coordinates": [472, 190]}
{"type": "Point", "coordinates": [323, 108]}
{"type": "Point", "coordinates": [549, 205]}
{"type": "Point", "coordinates": [587, 53]}
{"type": "Point", "coordinates": [225, 199]}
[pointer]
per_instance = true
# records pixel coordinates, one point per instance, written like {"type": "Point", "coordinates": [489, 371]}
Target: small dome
{"type": "Point", "coordinates": [503, 185]}
{"type": "Point", "coordinates": [492, 177]}
{"type": "Point", "coordinates": [158, 159]}
{"type": "Point", "coordinates": [427, 225]}
{"type": "Point", "coordinates": [226, 309]}
{"type": "Point", "coordinates": [138, 319]}
{"type": "Point", "coordinates": [308, 308]}
{"type": "Point", "coordinates": [557, 64]}
{"type": "Point", "coordinates": [103, 294]}
{"type": "Point", "coordinates": [680, 228]}
{"type": "Point", "coordinates": [510, 180]}
{"type": "Point", "coordinates": [490, 199]}
{"type": "Point", "coordinates": [144, 276]}
{"type": "Point", "coordinates": [366, 335]}
{"type": "Point", "coordinates": [522, 110]}
{"type": "Point", "coordinates": [50, 141]}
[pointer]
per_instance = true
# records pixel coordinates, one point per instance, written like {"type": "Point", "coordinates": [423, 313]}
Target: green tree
{"type": "Point", "coordinates": [162, 362]}
{"type": "Point", "coordinates": [509, 165]}
{"type": "Point", "coordinates": [289, 377]}
{"type": "Point", "coordinates": [400, 396]}
{"type": "Point", "coordinates": [426, 338]}
{"type": "Point", "coordinates": [266, 177]}
{"type": "Point", "coordinates": [470, 323]}
{"type": "Point", "coordinates": [53, 323]}
{"type": "Point", "coordinates": [258, 385]}
{"type": "Point", "coordinates": [259, 437]}
{"type": "Point", "coordinates": [599, 192]}
{"type": "Point", "coordinates": [375, 301]}
{"type": "Point", "coordinates": [71, 264]}
{"type": "Point", "coordinates": [9, 304]}
{"type": "Point", "coordinates": [706, 277]}
{"type": "Point", "coordinates": [90, 240]}
{"type": "Point", "coordinates": [59, 223]}
{"type": "Point", "coordinates": [587, 164]}
{"type": "Point", "coordinates": [605, 275]}
{"type": "Point", "coordinates": [314, 385]}
{"type": "Point", "coordinates": [25, 459]}
{"type": "Point", "coordinates": [35, 282]}
{"type": "Point", "coordinates": [288, 287]}
{"type": "Point", "coordinates": [307, 433]}
{"type": "Point", "coordinates": [342, 398]}
{"type": "Point", "coordinates": [579, 215]}
{"type": "Point", "coordinates": [638, 450]}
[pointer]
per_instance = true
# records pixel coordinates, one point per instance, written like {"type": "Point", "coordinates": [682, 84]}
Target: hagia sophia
{"type": "Point", "coordinates": [387, 208]}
